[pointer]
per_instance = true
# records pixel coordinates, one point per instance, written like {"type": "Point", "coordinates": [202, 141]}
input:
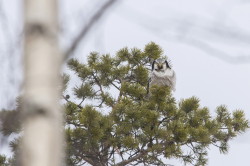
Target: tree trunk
{"type": "Point", "coordinates": [43, 137]}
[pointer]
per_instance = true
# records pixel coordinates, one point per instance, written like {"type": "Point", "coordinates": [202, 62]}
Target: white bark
{"type": "Point", "coordinates": [42, 142]}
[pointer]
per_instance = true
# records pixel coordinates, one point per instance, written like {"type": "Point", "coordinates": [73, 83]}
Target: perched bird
{"type": "Point", "coordinates": [162, 74]}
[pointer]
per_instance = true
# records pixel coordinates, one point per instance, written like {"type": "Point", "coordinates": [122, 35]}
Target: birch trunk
{"type": "Point", "coordinates": [42, 141]}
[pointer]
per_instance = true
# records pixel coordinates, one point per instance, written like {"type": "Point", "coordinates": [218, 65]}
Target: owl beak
{"type": "Point", "coordinates": [160, 66]}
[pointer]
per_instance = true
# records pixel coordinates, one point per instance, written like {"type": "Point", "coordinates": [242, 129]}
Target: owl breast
{"type": "Point", "coordinates": [160, 81]}
{"type": "Point", "coordinates": [163, 79]}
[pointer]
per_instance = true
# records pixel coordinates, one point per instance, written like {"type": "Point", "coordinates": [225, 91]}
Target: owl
{"type": "Point", "coordinates": [162, 74]}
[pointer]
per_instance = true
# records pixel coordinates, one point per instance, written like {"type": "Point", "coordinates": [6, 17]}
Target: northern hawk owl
{"type": "Point", "coordinates": [162, 74]}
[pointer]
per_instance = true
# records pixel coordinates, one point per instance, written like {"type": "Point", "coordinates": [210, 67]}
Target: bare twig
{"type": "Point", "coordinates": [115, 86]}
{"type": "Point", "coordinates": [79, 105]}
{"type": "Point", "coordinates": [195, 42]}
{"type": "Point", "coordinates": [97, 16]}
{"type": "Point", "coordinates": [218, 53]}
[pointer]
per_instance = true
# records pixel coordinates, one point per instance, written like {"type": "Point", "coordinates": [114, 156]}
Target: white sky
{"type": "Point", "coordinates": [177, 26]}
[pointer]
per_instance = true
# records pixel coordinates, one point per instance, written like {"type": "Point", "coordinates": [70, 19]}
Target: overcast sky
{"type": "Point", "coordinates": [207, 42]}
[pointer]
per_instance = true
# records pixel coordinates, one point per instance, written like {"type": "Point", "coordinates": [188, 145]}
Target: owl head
{"type": "Point", "coordinates": [160, 64]}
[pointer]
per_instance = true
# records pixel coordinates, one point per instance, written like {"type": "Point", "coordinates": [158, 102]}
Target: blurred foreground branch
{"type": "Point", "coordinates": [198, 36]}
{"type": "Point", "coordinates": [97, 16]}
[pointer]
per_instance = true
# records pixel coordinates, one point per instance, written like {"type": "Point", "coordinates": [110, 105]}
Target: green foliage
{"type": "Point", "coordinates": [65, 79]}
{"type": "Point", "coordinates": [189, 105]}
{"type": "Point", "coordinates": [117, 123]}
{"type": "Point", "coordinates": [84, 91]}
{"type": "Point", "coordinates": [3, 160]}
{"type": "Point", "coordinates": [153, 50]}
{"type": "Point", "coordinates": [154, 126]}
{"type": "Point", "coordinates": [9, 122]}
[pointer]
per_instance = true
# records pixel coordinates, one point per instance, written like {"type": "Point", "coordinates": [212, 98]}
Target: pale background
{"type": "Point", "coordinates": [207, 42]}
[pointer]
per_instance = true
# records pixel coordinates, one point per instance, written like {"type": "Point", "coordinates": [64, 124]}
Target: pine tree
{"type": "Point", "coordinates": [115, 123]}
{"type": "Point", "coordinates": [3, 160]}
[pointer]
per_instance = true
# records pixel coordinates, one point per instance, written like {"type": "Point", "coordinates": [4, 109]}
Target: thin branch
{"type": "Point", "coordinates": [202, 45]}
{"type": "Point", "coordinates": [98, 83]}
{"type": "Point", "coordinates": [134, 154]}
{"type": "Point", "coordinates": [141, 154]}
{"type": "Point", "coordinates": [215, 145]}
{"type": "Point", "coordinates": [111, 153]}
{"type": "Point", "coordinates": [67, 100]}
{"type": "Point", "coordinates": [212, 51]}
{"type": "Point", "coordinates": [115, 86]}
{"type": "Point", "coordinates": [97, 16]}
{"type": "Point", "coordinates": [79, 105]}
{"type": "Point", "coordinates": [90, 161]}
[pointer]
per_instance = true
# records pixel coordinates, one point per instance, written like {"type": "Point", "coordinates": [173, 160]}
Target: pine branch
{"type": "Point", "coordinates": [66, 98]}
{"type": "Point", "coordinates": [138, 156]}
{"type": "Point", "coordinates": [90, 161]}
